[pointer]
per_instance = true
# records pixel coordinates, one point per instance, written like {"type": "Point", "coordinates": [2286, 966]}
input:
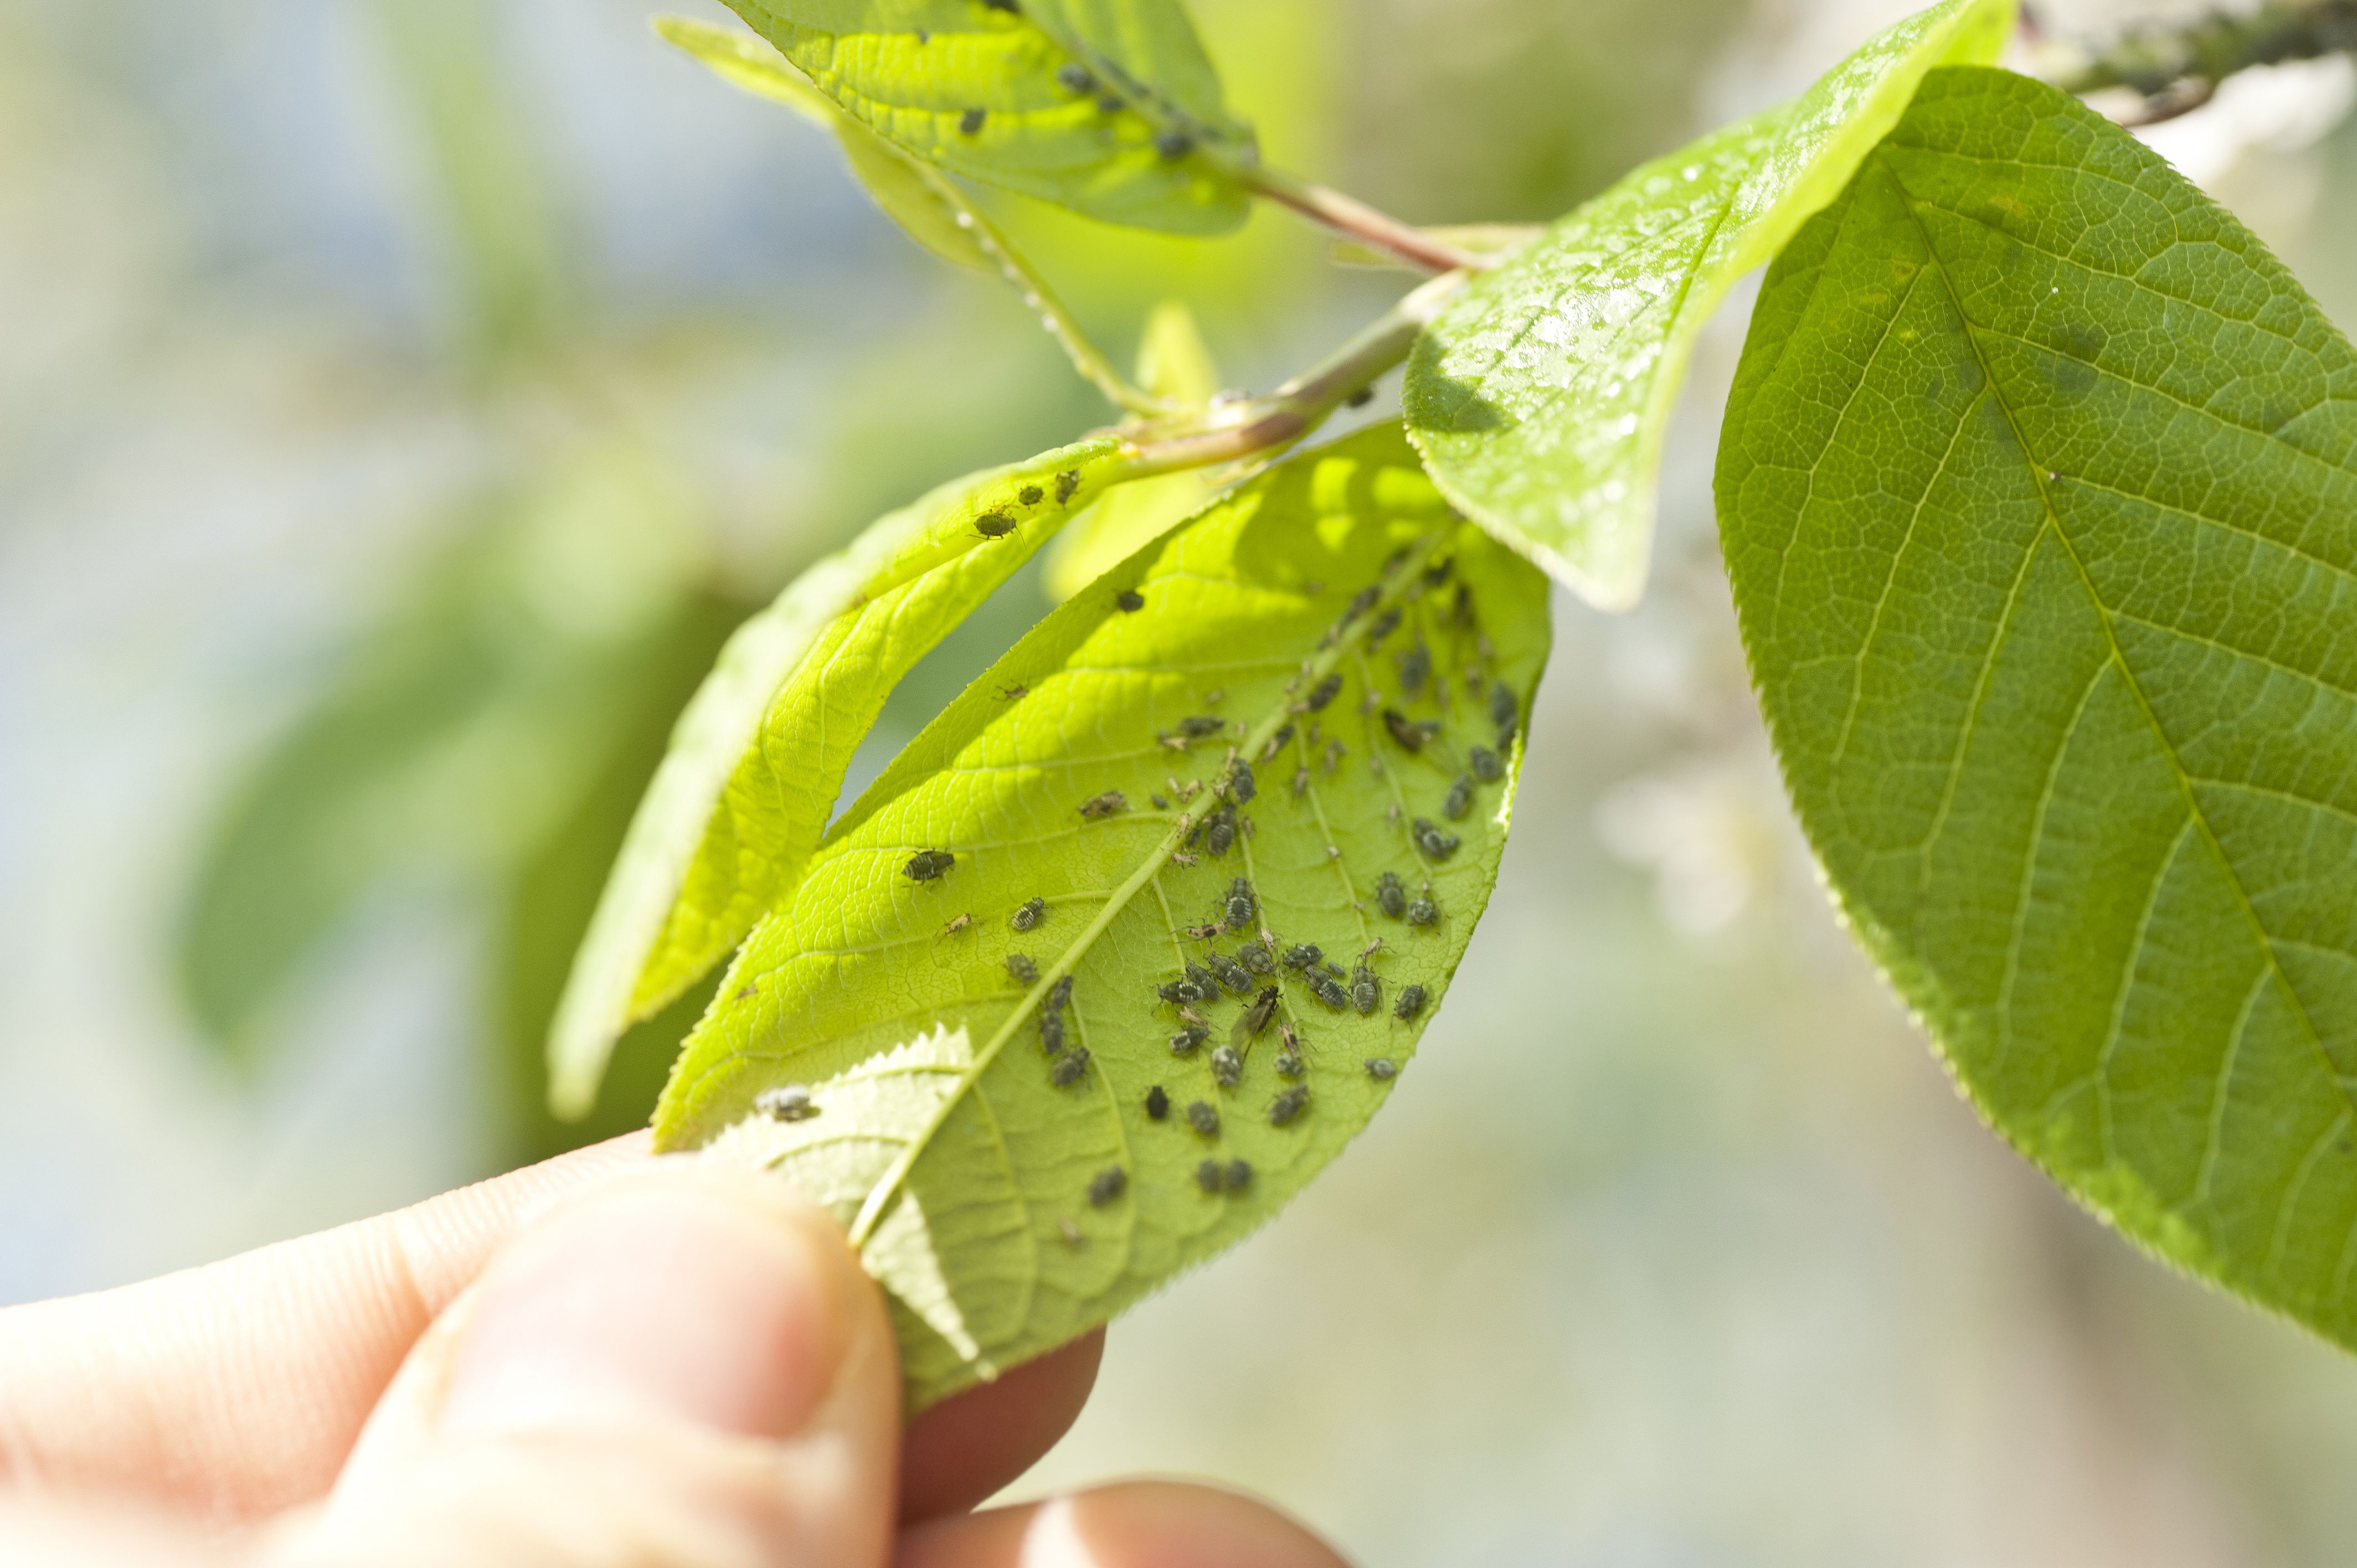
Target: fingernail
{"type": "Point", "coordinates": [667, 1299]}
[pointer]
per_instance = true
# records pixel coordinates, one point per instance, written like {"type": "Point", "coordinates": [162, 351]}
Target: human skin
{"type": "Point", "coordinates": [610, 1359]}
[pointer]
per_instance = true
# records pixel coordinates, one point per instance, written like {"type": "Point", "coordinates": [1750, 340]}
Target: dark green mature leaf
{"type": "Point", "coordinates": [759, 754]}
{"type": "Point", "coordinates": [2039, 491]}
{"type": "Point", "coordinates": [1067, 103]}
{"type": "Point", "coordinates": [1540, 397]}
{"type": "Point", "coordinates": [959, 1152]}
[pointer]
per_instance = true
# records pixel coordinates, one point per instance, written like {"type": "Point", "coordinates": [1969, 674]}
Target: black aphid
{"type": "Point", "coordinates": [1422, 911]}
{"type": "Point", "coordinates": [1239, 907]}
{"type": "Point", "coordinates": [1204, 1117]}
{"type": "Point", "coordinates": [1158, 1104]}
{"type": "Point", "coordinates": [1020, 966]}
{"type": "Point", "coordinates": [1206, 985]}
{"type": "Point", "coordinates": [994, 525]}
{"type": "Point", "coordinates": [1275, 743]}
{"type": "Point", "coordinates": [1360, 398]}
{"type": "Point", "coordinates": [1173, 144]}
{"type": "Point", "coordinates": [928, 863]}
{"type": "Point", "coordinates": [1107, 1185]}
{"type": "Point", "coordinates": [1410, 1002]}
{"type": "Point", "coordinates": [1485, 764]}
{"type": "Point", "coordinates": [1505, 737]}
{"type": "Point", "coordinates": [1382, 1067]}
{"type": "Point", "coordinates": [1195, 727]}
{"type": "Point", "coordinates": [1236, 1175]}
{"type": "Point", "coordinates": [1059, 995]}
{"type": "Point", "coordinates": [1051, 1034]}
{"type": "Point", "coordinates": [1030, 495]}
{"type": "Point", "coordinates": [1288, 1064]}
{"type": "Point", "coordinates": [1112, 103]}
{"type": "Point", "coordinates": [1503, 709]}
{"type": "Point", "coordinates": [1096, 807]}
{"type": "Point", "coordinates": [1385, 624]}
{"type": "Point", "coordinates": [1068, 1069]}
{"type": "Point", "coordinates": [971, 122]}
{"type": "Point", "coordinates": [1242, 787]}
{"type": "Point", "coordinates": [1254, 956]}
{"type": "Point", "coordinates": [1414, 667]}
{"type": "Point", "coordinates": [1219, 831]}
{"type": "Point", "coordinates": [1391, 897]}
{"type": "Point", "coordinates": [786, 1103]}
{"type": "Point", "coordinates": [1289, 1105]}
{"type": "Point", "coordinates": [1066, 483]}
{"type": "Point", "coordinates": [1435, 843]}
{"type": "Point", "coordinates": [1207, 1176]}
{"type": "Point", "coordinates": [1303, 955]}
{"type": "Point", "coordinates": [1187, 1041]}
{"type": "Point", "coordinates": [1437, 572]}
{"type": "Point", "coordinates": [1161, 803]}
{"type": "Point", "coordinates": [1404, 730]}
{"type": "Point", "coordinates": [1323, 692]}
{"type": "Point", "coordinates": [1328, 991]}
{"type": "Point", "coordinates": [1460, 797]}
{"type": "Point", "coordinates": [1179, 991]}
{"type": "Point", "coordinates": [1233, 977]}
{"type": "Point", "coordinates": [1463, 609]}
{"type": "Point", "coordinates": [1366, 991]}
{"type": "Point", "coordinates": [1227, 1066]}
{"type": "Point", "coordinates": [1029, 914]}
{"type": "Point", "coordinates": [1361, 603]}
{"type": "Point", "coordinates": [1130, 600]}
{"type": "Point", "coordinates": [1331, 970]}
{"type": "Point", "coordinates": [1014, 5]}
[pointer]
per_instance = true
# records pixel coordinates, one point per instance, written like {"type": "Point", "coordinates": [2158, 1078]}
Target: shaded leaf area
{"type": "Point", "coordinates": [1541, 396]}
{"type": "Point", "coordinates": [1108, 107]}
{"type": "Point", "coordinates": [1216, 754]}
{"type": "Point", "coordinates": [2039, 491]}
{"type": "Point", "coordinates": [758, 754]}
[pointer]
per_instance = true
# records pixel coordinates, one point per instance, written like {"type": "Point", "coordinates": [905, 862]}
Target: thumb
{"type": "Point", "coordinates": [686, 1368]}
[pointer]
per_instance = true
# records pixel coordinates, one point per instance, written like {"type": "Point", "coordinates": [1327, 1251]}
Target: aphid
{"type": "Point", "coordinates": [971, 122]}
{"type": "Point", "coordinates": [1485, 764]}
{"type": "Point", "coordinates": [1069, 1233]}
{"type": "Point", "coordinates": [752, 987]}
{"type": "Point", "coordinates": [1097, 808]}
{"type": "Point", "coordinates": [1173, 144]}
{"type": "Point", "coordinates": [1207, 1176]}
{"type": "Point", "coordinates": [1112, 103]}
{"type": "Point", "coordinates": [1233, 977]}
{"type": "Point", "coordinates": [1204, 1117]}
{"type": "Point", "coordinates": [1366, 991]}
{"type": "Point", "coordinates": [1158, 1104]}
{"type": "Point", "coordinates": [1289, 1105]}
{"type": "Point", "coordinates": [1020, 966]}
{"type": "Point", "coordinates": [1381, 1068]}
{"type": "Point", "coordinates": [1361, 603]}
{"type": "Point", "coordinates": [1288, 1064]}
{"type": "Point", "coordinates": [1503, 709]}
{"type": "Point", "coordinates": [1506, 737]}
{"type": "Point", "coordinates": [1195, 727]}
{"type": "Point", "coordinates": [1177, 992]}
{"type": "Point", "coordinates": [1002, 5]}
{"type": "Point", "coordinates": [1460, 797]}
{"type": "Point", "coordinates": [1254, 956]}
{"type": "Point", "coordinates": [1240, 905]}
{"type": "Point", "coordinates": [1219, 832]}
{"type": "Point", "coordinates": [1334, 752]}
{"type": "Point", "coordinates": [1130, 601]}
{"type": "Point", "coordinates": [1066, 483]}
{"type": "Point", "coordinates": [1073, 77]}
{"type": "Point", "coordinates": [1207, 986]}
{"type": "Point", "coordinates": [1256, 1018]}
{"type": "Point", "coordinates": [1435, 843]}
{"type": "Point", "coordinates": [1107, 1185]}
{"type": "Point", "coordinates": [1187, 791]}
{"type": "Point", "coordinates": [1415, 666]}
{"type": "Point", "coordinates": [1437, 572]}
{"type": "Point", "coordinates": [1360, 398]}
{"type": "Point", "coordinates": [1404, 730]}
{"type": "Point", "coordinates": [1331, 970]}
{"type": "Point", "coordinates": [1410, 1002]}
{"type": "Point", "coordinates": [1187, 1040]}
{"type": "Point", "coordinates": [1068, 1069]}
{"type": "Point", "coordinates": [1194, 1020]}
{"type": "Point", "coordinates": [1227, 1067]}
{"type": "Point", "coordinates": [1303, 955]}
{"type": "Point", "coordinates": [1159, 802]}
{"type": "Point", "coordinates": [1236, 1176]}
{"type": "Point", "coordinates": [1390, 897]}
{"type": "Point", "coordinates": [1201, 934]}
{"type": "Point", "coordinates": [1463, 608]}
{"type": "Point", "coordinates": [1030, 495]}
{"type": "Point", "coordinates": [1012, 693]}
{"type": "Point", "coordinates": [1180, 857]}
{"type": "Point", "coordinates": [1051, 1034]}
{"type": "Point", "coordinates": [786, 1103]}
{"type": "Point", "coordinates": [994, 525]}
{"type": "Point", "coordinates": [1323, 692]}
{"type": "Point", "coordinates": [1422, 911]}
{"type": "Point", "coordinates": [960, 924]}
{"type": "Point", "coordinates": [1324, 988]}
{"type": "Point", "coordinates": [1059, 995]}
{"type": "Point", "coordinates": [1372, 948]}
{"type": "Point", "coordinates": [1242, 787]}
{"type": "Point", "coordinates": [927, 865]}
{"type": "Point", "coordinates": [1029, 914]}
{"type": "Point", "coordinates": [1384, 625]}
{"type": "Point", "coordinates": [1300, 783]}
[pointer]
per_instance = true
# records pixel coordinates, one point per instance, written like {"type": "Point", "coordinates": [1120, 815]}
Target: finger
{"type": "Point", "coordinates": [1134, 1524]}
{"type": "Point", "coordinates": [688, 1367]}
{"type": "Point", "coordinates": [236, 1389]}
{"type": "Point", "coordinates": [969, 1445]}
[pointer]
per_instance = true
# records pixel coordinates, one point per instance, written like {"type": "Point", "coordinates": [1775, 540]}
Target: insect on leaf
{"type": "Point", "coordinates": [1107, 107]}
{"type": "Point", "coordinates": [758, 754]}
{"type": "Point", "coordinates": [969, 1160]}
{"type": "Point", "coordinates": [2038, 492]}
{"type": "Point", "coordinates": [1539, 398]}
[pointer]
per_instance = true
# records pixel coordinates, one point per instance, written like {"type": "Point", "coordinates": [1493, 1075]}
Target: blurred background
{"type": "Point", "coordinates": [398, 401]}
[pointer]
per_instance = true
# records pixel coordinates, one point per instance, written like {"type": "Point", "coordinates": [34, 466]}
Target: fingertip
{"type": "Point", "coordinates": [968, 1447]}
{"type": "Point", "coordinates": [1132, 1524]}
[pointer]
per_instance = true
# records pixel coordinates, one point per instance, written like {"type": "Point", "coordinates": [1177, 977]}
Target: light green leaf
{"type": "Point", "coordinates": [758, 755]}
{"type": "Point", "coordinates": [1539, 399]}
{"type": "Point", "coordinates": [2039, 491]}
{"type": "Point", "coordinates": [942, 1138]}
{"type": "Point", "coordinates": [1068, 108]}
{"type": "Point", "coordinates": [1174, 363]}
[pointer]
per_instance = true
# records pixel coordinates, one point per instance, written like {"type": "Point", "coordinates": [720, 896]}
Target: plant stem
{"type": "Point", "coordinates": [1348, 215]}
{"type": "Point", "coordinates": [2177, 68]}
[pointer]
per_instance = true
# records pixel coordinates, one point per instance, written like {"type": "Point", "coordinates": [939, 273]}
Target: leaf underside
{"type": "Point", "coordinates": [1067, 108]}
{"type": "Point", "coordinates": [944, 1139]}
{"type": "Point", "coordinates": [759, 754]}
{"type": "Point", "coordinates": [1540, 397]}
{"type": "Point", "coordinates": [2039, 493]}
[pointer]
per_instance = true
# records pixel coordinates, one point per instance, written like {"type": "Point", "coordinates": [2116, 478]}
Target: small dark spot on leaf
{"type": "Point", "coordinates": [1130, 601]}
{"type": "Point", "coordinates": [1158, 1104]}
{"type": "Point", "coordinates": [970, 123]}
{"type": "Point", "coordinates": [1107, 1185]}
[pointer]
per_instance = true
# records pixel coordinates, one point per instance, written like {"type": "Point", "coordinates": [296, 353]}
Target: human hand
{"type": "Point", "coordinates": [605, 1360]}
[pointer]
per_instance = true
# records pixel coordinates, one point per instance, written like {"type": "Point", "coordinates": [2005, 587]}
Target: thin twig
{"type": "Point", "coordinates": [2177, 68]}
{"type": "Point", "coordinates": [1348, 215]}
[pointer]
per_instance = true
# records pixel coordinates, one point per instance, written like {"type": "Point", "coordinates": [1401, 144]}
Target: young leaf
{"type": "Point", "coordinates": [2038, 492]}
{"type": "Point", "coordinates": [1540, 397]}
{"type": "Point", "coordinates": [969, 1160]}
{"type": "Point", "coordinates": [755, 764]}
{"type": "Point", "coordinates": [1108, 107]}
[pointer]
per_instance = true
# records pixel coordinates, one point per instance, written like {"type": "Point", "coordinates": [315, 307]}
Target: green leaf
{"type": "Point", "coordinates": [1066, 105]}
{"type": "Point", "coordinates": [1539, 398]}
{"type": "Point", "coordinates": [758, 755]}
{"type": "Point", "coordinates": [1173, 362]}
{"type": "Point", "coordinates": [2038, 492]}
{"type": "Point", "coordinates": [942, 1137]}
